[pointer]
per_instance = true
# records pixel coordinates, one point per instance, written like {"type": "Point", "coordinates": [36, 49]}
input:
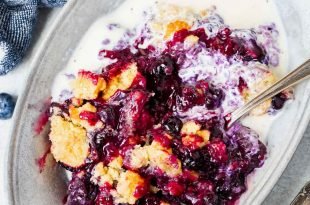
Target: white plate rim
{"type": "Point", "coordinates": [10, 174]}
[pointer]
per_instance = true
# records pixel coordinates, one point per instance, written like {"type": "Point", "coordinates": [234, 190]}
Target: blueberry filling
{"type": "Point", "coordinates": [207, 164]}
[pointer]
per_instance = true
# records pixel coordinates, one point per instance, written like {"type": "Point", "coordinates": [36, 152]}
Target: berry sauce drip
{"type": "Point", "coordinates": [41, 161]}
{"type": "Point", "coordinates": [211, 174]}
{"type": "Point", "coordinates": [42, 119]}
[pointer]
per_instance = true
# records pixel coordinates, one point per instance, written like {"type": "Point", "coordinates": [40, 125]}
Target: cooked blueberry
{"type": "Point", "coordinates": [110, 151]}
{"type": "Point", "coordinates": [99, 137]}
{"type": "Point", "coordinates": [104, 196]}
{"type": "Point", "coordinates": [80, 190]}
{"type": "Point", "coordinates": [169, 65]}
{"type": "Point", "coordinates": [216, 133]}
{"type": "Point", "coordinates": [248, 147]}
{"type": "Point", "coordinates": [149, 200]}
{"type": "Point", "coordinates": [231, 186]}
{"type": "Point", "coordinates": [252, 51]}
{"type": "Point", "coordinates": [7, 105]}
{"type": "Point", "coordinates": [108, 115]}
{"type": "Point", "coordinates": [278, 101]}
{"type": "Point", "coordinates": [173, 125]}
{"type": "Point", "coordinates": [197, 160]}
{"type": "Point", "coordinates": [214, 98]}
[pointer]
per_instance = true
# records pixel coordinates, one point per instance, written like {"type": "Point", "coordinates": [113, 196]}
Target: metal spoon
{"type": "Point", "coordinates": [303, 198]}
{"type": "Point", "coordinates": [294, 77]}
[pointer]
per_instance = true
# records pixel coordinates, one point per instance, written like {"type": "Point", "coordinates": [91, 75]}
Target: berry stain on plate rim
{"type": "Point", "coordinates": [147, 125]}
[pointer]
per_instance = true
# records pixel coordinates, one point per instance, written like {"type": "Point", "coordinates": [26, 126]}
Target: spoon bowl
{"type": "Point", "coordinates": [296, 76]}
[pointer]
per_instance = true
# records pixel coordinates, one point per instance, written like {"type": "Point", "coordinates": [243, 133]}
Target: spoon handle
{"type": "Point", "coordinates": [303, 197]}
{"type": "Point", "coordinates": [294, 77]}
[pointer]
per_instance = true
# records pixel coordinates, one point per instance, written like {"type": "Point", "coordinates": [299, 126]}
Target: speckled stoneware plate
{"type": "Point", "coordinates": [26, 185]}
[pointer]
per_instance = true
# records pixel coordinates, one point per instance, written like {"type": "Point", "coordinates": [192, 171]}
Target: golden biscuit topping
{"type": "Point", "coordinates": [103, 175]}
{"type": "Point", "coordinates": [122, 81]}
{"type": "Point", "coordinates": [69, 142]}
{"type": "Point", "coordinates": [190, 127]}
{"type": "Point", "coordinates": [255, 89]}
{"type": "Point", "coordinates": [76, 116]}
{"type": "Point", "coordinates": [156, 156]}
{"type": "Point", "coordinates": [139, 157]}
{"type": "Point", "coordinates": [175, 26]}
{"type": "Point", "coordinates": [127, 186]}
{"type": "Point", "coordinates": [193, 136]}
{"type": "Point", "coordinates": [107, 174]}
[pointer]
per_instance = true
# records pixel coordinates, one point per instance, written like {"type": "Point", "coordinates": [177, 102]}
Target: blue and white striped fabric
{"type": "Point", "coordinates": [17, 19]}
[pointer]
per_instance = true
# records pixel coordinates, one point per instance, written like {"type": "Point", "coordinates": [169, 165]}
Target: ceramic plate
{"type": "Point", "coordinates": [26, 185]}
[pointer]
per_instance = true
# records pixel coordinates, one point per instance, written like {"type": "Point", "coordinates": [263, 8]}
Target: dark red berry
{"type": "Point", "coordinates": [217, 151]}
{"type": "Point", "coordinates": [175, 188]}
{"type": "Point", "coordinates": [242, 86]}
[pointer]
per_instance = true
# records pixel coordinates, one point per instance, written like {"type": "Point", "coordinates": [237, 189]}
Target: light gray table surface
{"type": "Point", "coordinates": [294, 177]}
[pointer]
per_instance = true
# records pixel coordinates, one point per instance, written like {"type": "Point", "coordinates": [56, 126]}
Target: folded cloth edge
{"type": "Point", "coordinates": [17, 21]}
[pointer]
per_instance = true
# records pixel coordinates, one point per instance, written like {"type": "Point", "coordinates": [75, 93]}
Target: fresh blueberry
{"type": "Point", "coordinates": [7, 105]}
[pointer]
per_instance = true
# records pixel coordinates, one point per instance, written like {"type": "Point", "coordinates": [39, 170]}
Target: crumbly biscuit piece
{"type": "Point", "coordinates": [156, 156]}
{"type": "Point", "coordinates": [116, 163]}
{"type": "Point", "coordinates": [139, 157]}
{"type": "Point", "coordinates": [162, 159]}
{"type": "Point", "coordinates": [193, 136]}
{"type": "Point", "coordinates": [255, 89]}
{"type": "Point", "coordinates": [69, 142]}
{"type": "Point", "coordinates": [107, 174]}
{"type": "Point", "coordinates": [102, 175]}
{"type": "Point", "coordinates": [126, 182]}
{"type": "Point", "coordinates": [76, 119]}
{"type": "Point", "coordinates": [191, 41]}
{"type": "Point", "coordinates": [122, 81]}
{"type": "Point", "coordinates": [190, 127]}
{"type": "Point", "coordinates": [88, 85]}
{"type": "Point", "coordinates": [126, 187]}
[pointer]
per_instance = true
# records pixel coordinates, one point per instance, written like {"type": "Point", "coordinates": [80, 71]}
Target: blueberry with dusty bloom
{"type": "Point", "coordinates": [7, 105]}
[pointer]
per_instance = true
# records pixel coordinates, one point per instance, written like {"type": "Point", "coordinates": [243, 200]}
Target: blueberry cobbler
{"type": "Point", "coordinates": [149, 126]}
